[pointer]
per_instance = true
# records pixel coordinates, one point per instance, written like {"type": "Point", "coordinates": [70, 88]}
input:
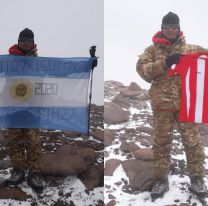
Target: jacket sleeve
{"type": "Point", "coordinates": [192, 48]}
{"type": "Point", "coordinates": [149, 67]}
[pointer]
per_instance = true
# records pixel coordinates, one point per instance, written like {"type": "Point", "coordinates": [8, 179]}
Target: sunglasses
{"type": "Point", "coordinates": [170, 26]}
{"type": "Point", "coordinates": [26, 40]}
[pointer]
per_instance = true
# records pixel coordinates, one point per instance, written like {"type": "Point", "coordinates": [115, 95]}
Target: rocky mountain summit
{"type": "Point", "coordinates": [72, 167]}
{"type": "Point", "coordinates": [128, 139]}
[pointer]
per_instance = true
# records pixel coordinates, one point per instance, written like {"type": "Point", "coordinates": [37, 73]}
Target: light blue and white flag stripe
{"type": "Point", "coordinates": [44, 92]}
{"type": "Point", "coordinates": [78, 67]}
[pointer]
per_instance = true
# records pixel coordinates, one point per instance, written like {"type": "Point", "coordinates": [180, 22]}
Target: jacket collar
{"type": "Point", "coordinates": [159, 39]}
{"type": "Point", "coordinates": [15, 51]}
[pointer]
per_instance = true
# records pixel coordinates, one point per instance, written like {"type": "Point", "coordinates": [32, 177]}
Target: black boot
{"type": "Point", "coordinates": [2, 182]}
{"type": "Point", "coordinates": [198, 186]}
{"type": "Point", "coordinates": [160, 186]}
{"type": "Point", "coordinates": [36, 182]}
{"type": "Point", "coordinates": [16, 178]}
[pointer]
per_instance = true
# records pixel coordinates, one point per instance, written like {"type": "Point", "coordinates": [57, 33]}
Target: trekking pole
{"type": "Point", "coordinates": [92, 51]}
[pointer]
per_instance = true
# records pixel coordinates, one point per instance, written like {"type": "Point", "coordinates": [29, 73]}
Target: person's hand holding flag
{"type": "Point", "coordinates": [172, 59]}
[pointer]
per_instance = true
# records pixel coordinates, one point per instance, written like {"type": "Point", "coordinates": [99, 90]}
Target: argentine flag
{"type": "Point", "coordinates": [44, 92]}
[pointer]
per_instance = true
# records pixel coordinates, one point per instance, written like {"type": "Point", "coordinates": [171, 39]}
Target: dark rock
{"type": "Point", "coordinates": [110, 196]}
{"type": "Point", "coordinates": [96, 116]}
{"type": "Point", "coordinates": [128, 147]}
{"type": "Point", "coordinates": [13, 193]}
{"type": "Point", "coordinates": [177, 150]}
{"type": "Point", "coordinates": [100, 203]}
{"type": "Point", "coordinates": [108, 186]}
{"type": "Point", "coordinates": [114, 114]}
{"type": "Point", "coordinates": [2, 138]}
{"type": "Point", "coordinates": [122, 102]}
{"type": "Point", "coordinates": [118, 183]}
{"type": "Point", "coordinates": [110, 166]}
{"type": "Point", "coordinates": [72, 134]}
{"type": "Point", "coordinates": [140, 174]}
{"type": "Point", "coordinates": [111, 203]}
{"type": "Point", "coordinates": [116, 151]}
{"type": "Point", "coordinates": [99, 134]}
{"type": "Point", "coordinates": [135, 87]}
{"type": "Point", "coordinates": [68, 160]}
{"type": "Point", "coordinates": [93, 177]}
{"type": "Point", "coordinates": [4, 164]}
{"type": "Point", "coordinates": [111, 88]}
{"type": "Point", "coordinates": [106, 154]}
{"type": "Point", "coordinates": [145, 154]}
{"type": "Point", "coordinates": [60, 202]}
{"type": "Point", "coordinates": [2, 182]}
{"type": "Point", "coordinates": [115, 84]}
{"type": "Point", "coordinates": [128, 93]}
{"type": "Point", "coordinates": [124, 136]}
{"type": "Point", "coordinates": [148, 140]}
{"type": "Point", "coordinates": [108, 137]}
{"type": "Point", "coordinates": [147, 130]}
{"type": "Point", "coordinates": [145, 142]}
{"type": "Point", "coordinates": [140, 104]}
{"type": "Point", "coordinates": [142, 97]}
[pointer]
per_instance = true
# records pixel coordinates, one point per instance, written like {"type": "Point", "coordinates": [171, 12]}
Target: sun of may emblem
{"type": "Point", "coordinates": [21, 90]}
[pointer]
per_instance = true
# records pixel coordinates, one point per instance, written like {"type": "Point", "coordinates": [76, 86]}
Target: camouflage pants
{"type": "Point", "coordinates": [24, 148]}
{"type": "Point", "coordinates": [164, 121]}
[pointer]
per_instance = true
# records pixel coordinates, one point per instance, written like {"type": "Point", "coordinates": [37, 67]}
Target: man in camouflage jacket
{"type": "Point", "coordinates": [153, 66]}
{"type": "Point", "coordinates": [24, 145]}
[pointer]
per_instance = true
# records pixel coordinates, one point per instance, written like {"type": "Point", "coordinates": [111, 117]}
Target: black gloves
{"type": "Point", "coordinates": [94, 63]}
{"type": "Point", "coordinates": [172, 59]}
{"type": "Point", "coordinates": [92, 51]}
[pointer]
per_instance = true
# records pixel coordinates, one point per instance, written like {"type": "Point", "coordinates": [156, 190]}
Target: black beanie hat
{"type": "Point", "coordinates": [170, 18]}
{"type": "Point", "coordinates": [26, 33]}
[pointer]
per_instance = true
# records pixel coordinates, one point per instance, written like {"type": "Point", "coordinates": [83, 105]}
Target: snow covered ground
{"type": "Point", "coordinates": [178, 192]}
{"type": "Point", "coordinates": [59, 191]}
{"type": "Point", "coordinates": [70, 185]}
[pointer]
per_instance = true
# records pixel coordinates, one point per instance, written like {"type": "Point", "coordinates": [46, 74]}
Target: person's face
{"type": "Point", "coordinates": [170, 31]}
{"type": "Point", "coordinates": [25, 43]}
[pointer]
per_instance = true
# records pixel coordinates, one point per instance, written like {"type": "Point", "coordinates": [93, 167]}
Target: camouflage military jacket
{"type": "Point", "coordinates": [165, 91]}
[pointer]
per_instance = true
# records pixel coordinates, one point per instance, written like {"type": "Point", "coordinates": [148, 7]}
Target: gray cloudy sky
{"type": "Point", "coordinates": [130, 25]}
{"type": "Point", "coordinates": [62, 28]}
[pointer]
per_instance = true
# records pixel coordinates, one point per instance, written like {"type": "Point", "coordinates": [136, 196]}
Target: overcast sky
{"type": "Point", "coordinates": [130, 25]}
{"type": "Point", "coordinates": [62, 28]}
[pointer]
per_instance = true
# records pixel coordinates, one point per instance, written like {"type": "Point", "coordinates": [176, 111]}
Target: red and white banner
{"type": "Point", "coordinates": [193, 70]}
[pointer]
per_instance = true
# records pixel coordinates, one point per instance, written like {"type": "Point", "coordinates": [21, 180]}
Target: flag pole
{"type": "Point", "coordinates": [92, 51]}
